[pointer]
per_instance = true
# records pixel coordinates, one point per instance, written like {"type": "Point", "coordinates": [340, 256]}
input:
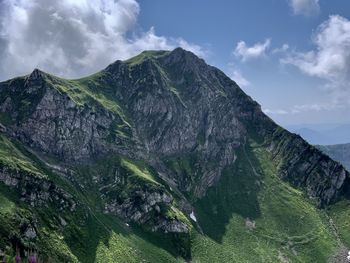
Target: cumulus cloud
{"type": "Point", "coordinates": [237, 76]}
{"type": "Point", "coordinates": [284, 48]}
{"type": "Point", "coordinates": [305, 7]}
{"type": "Point", "coordinates": [245, 52]}
{"type": "Point", "coordinates": [72, 38]}
{"type": "Point", "coordinates": [330, 60]}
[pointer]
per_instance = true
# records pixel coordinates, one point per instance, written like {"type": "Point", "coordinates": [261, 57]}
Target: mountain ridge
{"type": "Point", "coordinates": [147, 142]}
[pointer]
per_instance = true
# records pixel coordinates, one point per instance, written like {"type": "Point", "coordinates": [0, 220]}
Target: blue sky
{"type": "Point", "coordinates": [220, 25]}
{"type": "Point", "coordinates": [292, 56]}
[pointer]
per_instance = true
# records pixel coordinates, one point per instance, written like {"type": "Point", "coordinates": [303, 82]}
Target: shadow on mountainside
{"type": "Point", "coordinates": [235, 193]}
{"type": "Point", "coordinates": [87, 234]}
{"type": "Point", "coordinates": [100, 231]}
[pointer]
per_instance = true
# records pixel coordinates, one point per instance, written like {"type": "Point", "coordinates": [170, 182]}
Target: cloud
{"type": "Point", "coordinates": [330, 60]}
{"type": "Point", "coordinates": [299, 109]}
{"type": "Point", "coordinates": [275, 112]}
{"type": "Point", "coordinates": [305, 7]}
{"type": "Point", "coordinates": [237, 76]}
{"type": "Point", "coordinates": [72, 38]}
{"type": "Point", "coordinates": [284, 48]}
{"type": "Point", "coordinates": [245, 53]}
{"type": "Point", "coordinates": [313, 107]}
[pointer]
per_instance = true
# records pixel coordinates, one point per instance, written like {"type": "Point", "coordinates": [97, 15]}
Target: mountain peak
{"type": "Point", "coordinates": [180, 50]}
{"type": "Point", "coordinates": [146, 55]}
{"type": "Point", "coordinates": [181, 53]}
{"type": "Point", "coordinates": [176, 55]}
{"type": "Point", "coordinates": [159, 143]}
{"type": "Point", "coordinates": [37, 74]}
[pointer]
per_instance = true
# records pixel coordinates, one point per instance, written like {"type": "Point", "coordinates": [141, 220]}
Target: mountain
{"type": "Point", "coordinates": [339, 152]}
{"type": "Point", "coordinates": [161, 158]}
{"type": "Point", "coordinates": [341, 133]}
{"type": "Point", "coordinates": [323, 134]}
{"type": "Point", "coordinates": [313, 136]}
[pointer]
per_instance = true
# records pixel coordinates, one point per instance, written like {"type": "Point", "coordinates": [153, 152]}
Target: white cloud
{"type": "Point", "coordinates": [275, 112]}
{"type": "Point", "coordinates": [305, 7]}
{"type": "Point", "coordinates": [330, 60]}
{"type": "Point", "coordinates": [257, 50]}
{"type": "Point", "coordinates": [72, 38]}
{"type": "Point", "coordinates": [237, 76]}
{"type": "Point", "coordinates": [297, 109]}
{"type": "Point", "coordinates": [311, 107]}
{"type": "Point", "coordinates": [284, 48]}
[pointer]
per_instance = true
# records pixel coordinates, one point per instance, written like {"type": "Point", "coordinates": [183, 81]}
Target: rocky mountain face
{"type": "Point", "coordinates": [142, 142]}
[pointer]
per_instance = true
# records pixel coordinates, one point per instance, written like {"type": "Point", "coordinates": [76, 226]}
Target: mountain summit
{"type": "Point", "coordinates": [160, 158]}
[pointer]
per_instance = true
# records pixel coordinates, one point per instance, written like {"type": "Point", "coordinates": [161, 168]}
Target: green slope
{"type": "Point", "coordinates": [253, 216]}
{"type": "Point", "coordinates": [90, 236]}
{"type": "Point", "coordinates": [249, 215]}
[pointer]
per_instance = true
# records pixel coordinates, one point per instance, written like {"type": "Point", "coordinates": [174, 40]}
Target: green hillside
{"type": "Point", "coordinates": [160, 158]}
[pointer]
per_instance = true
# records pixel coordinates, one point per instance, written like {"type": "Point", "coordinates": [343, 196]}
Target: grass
{"type": "Point", "coordinates": [104, 237]}
{"type": "Point", "coordinates": [11, 157]}
{"type": "Point", "coordinates": [142, 172]}
{"type": "Point", "coordinates": [253, 216]}
{"type": "Point", "coordinates": [250, 215]}
{"type": "Point", "coordinates": [89, 236]}
{"type": "Point", "coordinates": [340, 214]}
{"type": "Point", "coordinates": [137, 60]}
{"type": "Point", "coordinates": [92, 93]}
{"type": "Point", "coordinates": [120, 248]}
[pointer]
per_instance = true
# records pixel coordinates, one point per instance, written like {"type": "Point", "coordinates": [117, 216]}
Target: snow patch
{"type": "Point", "coordinates": [193, 217]}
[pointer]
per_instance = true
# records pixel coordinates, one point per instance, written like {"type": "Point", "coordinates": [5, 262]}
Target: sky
{"type": "Point", "coordinates": [291, 56]}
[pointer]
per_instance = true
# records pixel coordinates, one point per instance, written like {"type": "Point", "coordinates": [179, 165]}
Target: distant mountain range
{"type": "Point", "coordinates": [323, 134]}
{"type": "Point", "coordinates": [339, 152]}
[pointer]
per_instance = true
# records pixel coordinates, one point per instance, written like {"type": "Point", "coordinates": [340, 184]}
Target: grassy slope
{"type": "Point", "coordinates": [94, 243]}
{"type": "Point", "coordinates": [249, 216]}
{"type": "Point", "coordinates": [340, 213]}
{"type": "Point", "coordinates": [14, 158]}
{"type": "Point", "coordinates": [144, 56]}
{"type": "Point", "coordinates": [90, 236]}
{"type": "Point", "coordinates": [97, 95]}
{"type": "Point", "coordinates": [253, 216]}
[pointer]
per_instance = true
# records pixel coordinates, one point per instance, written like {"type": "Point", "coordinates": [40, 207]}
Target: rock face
{"type": "Point", "coordinates": [35, 190]}
{"type": "Point", "coordinates": [304, 166]}
{"type": "Point", "coordinates": [175, 104]}
{"type": "Point", "coordinates": [144, 208]}
{"type": "Point", "coordinates": [181, 118]}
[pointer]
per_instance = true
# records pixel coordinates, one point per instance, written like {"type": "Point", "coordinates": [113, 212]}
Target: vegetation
{"type": "Point", "coordinates": [90, 236]}
{"type": "Point", "coordinates": [253, 216]}
{"type": "Point", "coordinates": [137, 60]}
{"type": "Point", "coordinates": [249, 215]}
{"type": "Point", "coordinates": [13, 158]}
